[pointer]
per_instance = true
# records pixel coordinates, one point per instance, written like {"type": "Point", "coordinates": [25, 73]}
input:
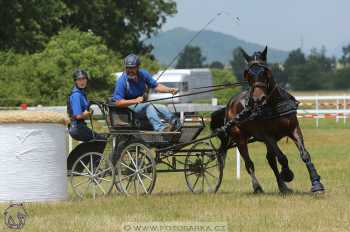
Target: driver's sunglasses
{"type": "Point", "coordinates": [130, 68]}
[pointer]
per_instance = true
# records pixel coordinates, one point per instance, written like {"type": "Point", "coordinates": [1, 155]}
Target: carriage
{"type": "Point", "coordinates": [132, 155]}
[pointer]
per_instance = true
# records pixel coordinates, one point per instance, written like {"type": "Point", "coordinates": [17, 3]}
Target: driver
{"type": "Point", "coordinates": [130, 90]}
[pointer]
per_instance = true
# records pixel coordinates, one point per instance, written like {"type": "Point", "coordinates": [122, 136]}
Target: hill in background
{"type": "Point", "coordinates": [214, 46]}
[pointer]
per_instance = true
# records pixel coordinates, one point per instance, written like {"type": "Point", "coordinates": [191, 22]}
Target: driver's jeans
{"type": "Point", "coordinates": [154, 113]}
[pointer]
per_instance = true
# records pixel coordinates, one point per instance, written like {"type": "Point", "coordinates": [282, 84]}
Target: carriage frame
{"type": "Point", "coordinates": [138, 154]}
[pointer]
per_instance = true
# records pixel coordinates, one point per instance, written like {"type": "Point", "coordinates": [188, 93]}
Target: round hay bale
{"type": "Point", "coordinates": [33, 153]}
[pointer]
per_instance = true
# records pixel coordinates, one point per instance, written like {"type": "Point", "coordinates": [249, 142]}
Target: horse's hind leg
{"type": "Point", "coordinates": [286, 174]}
{"type": "Point", "coordinates": [271, 158]}
{"type": "Point", "coordinates": [297, 137]}
{"type": "Point", "coordinates": [243, 149]}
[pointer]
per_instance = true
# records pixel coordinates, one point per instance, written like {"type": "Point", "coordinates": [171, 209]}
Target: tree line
{"type": "Point", "coordinates": [43, 41]}
{"type": "Point", "coordinates": [315, 71]}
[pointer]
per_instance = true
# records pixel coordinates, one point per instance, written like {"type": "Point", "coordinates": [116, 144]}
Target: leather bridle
{"type": "Point", "coordinates": [260, 84]}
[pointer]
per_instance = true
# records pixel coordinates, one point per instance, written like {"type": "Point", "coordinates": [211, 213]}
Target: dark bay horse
{"type": "Point", "coordinates": [263, 92]}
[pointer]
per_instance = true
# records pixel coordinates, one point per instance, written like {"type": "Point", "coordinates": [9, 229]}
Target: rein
{"type": "Point", "coordinates": [216, 88]}
{"type": "Point", "coordinates": [270, 94]}
{"type": "Point", "coordinates": [265, 85]}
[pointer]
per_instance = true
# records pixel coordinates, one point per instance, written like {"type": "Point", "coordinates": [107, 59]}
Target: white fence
{"type": "Point", "coordinates": [318, 107]}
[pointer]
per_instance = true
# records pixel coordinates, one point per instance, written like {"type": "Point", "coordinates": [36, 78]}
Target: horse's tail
{"type": "Point", "coordinates": [217, 121]}
{"type": "Point", "coordinates": [217, 118]}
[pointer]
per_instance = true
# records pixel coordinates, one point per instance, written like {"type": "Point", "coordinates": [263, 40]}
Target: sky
{"type": "Point", "coordinates": [280, 24]}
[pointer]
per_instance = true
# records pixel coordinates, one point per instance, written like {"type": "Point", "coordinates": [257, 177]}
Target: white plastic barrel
{"type": "Point", "coordinates": [33, 154]}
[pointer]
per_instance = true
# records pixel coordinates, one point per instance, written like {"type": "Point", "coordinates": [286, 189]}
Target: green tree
{"type": "Point", "coordinates": [294, 61]}
{"type": "Point", "coordinates": [238, 64]}
{"type": "Point", "coordinates": [313, 72]}
{"type": "Point", "coordinates": [120, 23]}
{"type": "Point", "coordinates": [345, 59]}
{"type": "Point", "coordinates": [12, 91]}
{"type": "Point", "coordinates": [190, 57]}
{"type": "Point", "coordinates": [279, 74]}
{"type": "Point", "coordinates": [324, 63]}
{"type": "Point", "coordinates": [46, 77]}
{"type": "Point", "coordinates": [341, 79]}
{"type": "Point", "coordinates": [217, 65]}
{"type": "Point", "coordinates": [222, 76]}
{"type": "Point", "coordinates": [65, 52]}
{"type": "Point", "coordinates": [295, 57]}
{"type": "Point", "coordinates": [306, 77]}
{"type": "Point", "coordinates": [27, 25]}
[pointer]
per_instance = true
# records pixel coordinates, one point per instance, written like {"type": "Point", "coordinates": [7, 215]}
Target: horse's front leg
{"type": "Point", "coordinates": [249, 165]}
{"type": "Point", "coordinates": [297, 137]}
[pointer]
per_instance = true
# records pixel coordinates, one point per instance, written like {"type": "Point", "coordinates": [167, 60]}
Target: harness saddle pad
{"type": "Point", "coordinates": [287, 104]}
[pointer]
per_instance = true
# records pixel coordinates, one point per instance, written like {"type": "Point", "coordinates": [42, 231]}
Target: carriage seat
{"type": "Point", "coordinates": [124, 118]}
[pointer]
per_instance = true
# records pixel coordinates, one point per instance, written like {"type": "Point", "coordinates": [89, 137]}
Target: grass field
{"type": "Point", "coordinates": [234, 204]}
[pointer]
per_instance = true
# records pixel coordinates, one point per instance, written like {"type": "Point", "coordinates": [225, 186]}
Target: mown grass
{"type": "Point", "coordinates": [235, 204]}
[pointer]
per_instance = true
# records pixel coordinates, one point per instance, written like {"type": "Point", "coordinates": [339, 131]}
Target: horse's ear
{"type": "Point", "coordinates": [264, 54]}
{"type": "Point", "coordinates": [246, 56]}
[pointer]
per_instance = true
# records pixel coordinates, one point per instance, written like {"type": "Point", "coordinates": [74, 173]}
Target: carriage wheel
{"type": "Point", "coordinates": [203, 169]}
{"type": "Point", "coordinates": [92, 175]}
{"type": "Point", "coordinates": [114, 158]}
{"type": "Point", "coordinates": [136, 170]}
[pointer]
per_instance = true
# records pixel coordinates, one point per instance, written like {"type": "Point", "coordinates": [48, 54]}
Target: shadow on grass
{"type": "Point", "coordinates": [248, 194]}
{"type": "Point", "coordinates": [219, 193]}
{"type": "Point", "coordinates": [285, 195]}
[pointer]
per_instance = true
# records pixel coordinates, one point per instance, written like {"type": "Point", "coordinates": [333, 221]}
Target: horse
{"type": "Point", "coordinates": [263, 93]}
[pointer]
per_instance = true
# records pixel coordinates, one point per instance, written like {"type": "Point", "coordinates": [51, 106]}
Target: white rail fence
{"type": "Point", "coordinates": [318, 107]}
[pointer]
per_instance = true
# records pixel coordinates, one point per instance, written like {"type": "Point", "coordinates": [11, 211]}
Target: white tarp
{"type": "Point", "coordinates": [33, 164]}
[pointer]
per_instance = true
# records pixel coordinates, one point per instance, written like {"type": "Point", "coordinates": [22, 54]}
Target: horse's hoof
{"type": "Point", "coordinates": [286, 190]}
{"type": "Point", "coordinates": [258, 190]}
{"type": "Point", "coordinates": [317, 187]}
{"type": "Point", "coordinates": [287, 175]}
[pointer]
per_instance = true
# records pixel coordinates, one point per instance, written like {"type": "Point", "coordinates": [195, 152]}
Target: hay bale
{"type": "Point", "coordinates": [17, 116]}
{"type": "Point", "coordinates": [33, 156]}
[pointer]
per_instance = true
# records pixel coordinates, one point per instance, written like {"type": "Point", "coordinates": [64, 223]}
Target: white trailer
{"type": "Point", "coordinates": [184, 80]}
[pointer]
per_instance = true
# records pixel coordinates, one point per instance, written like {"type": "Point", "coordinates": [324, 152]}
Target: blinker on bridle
{"type": "Point", "coordinates": [255, 69]}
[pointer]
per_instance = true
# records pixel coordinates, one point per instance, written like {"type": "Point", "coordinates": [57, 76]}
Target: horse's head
{"type": "Point", "coordinates": [259, 77]}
